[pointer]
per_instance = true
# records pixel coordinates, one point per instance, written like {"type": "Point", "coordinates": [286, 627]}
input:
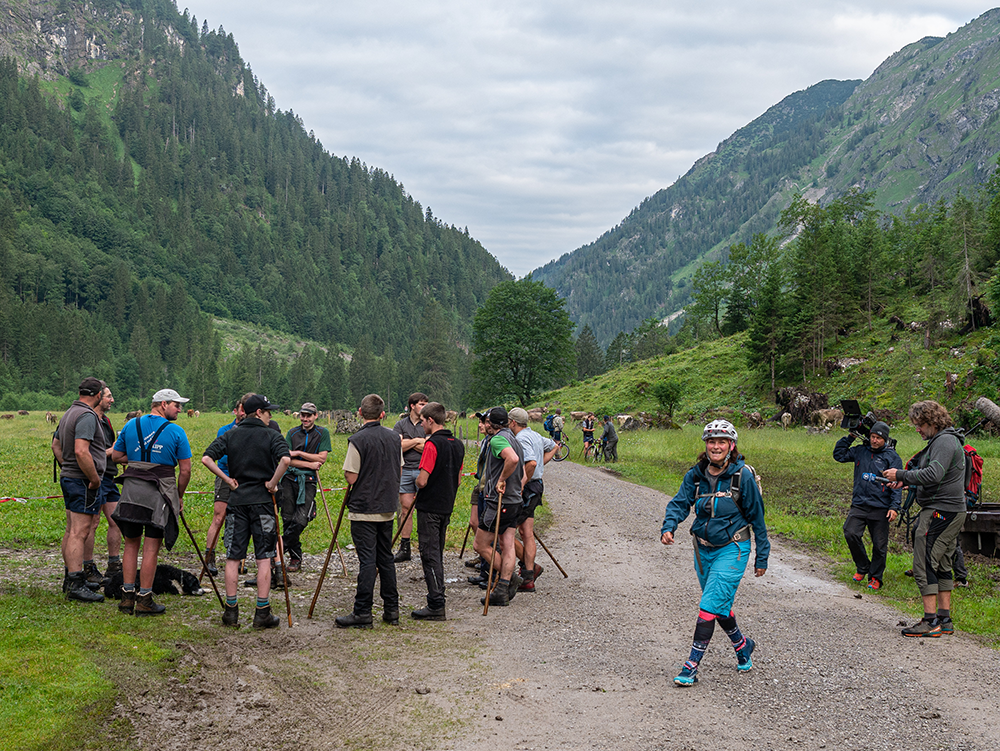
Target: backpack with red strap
{"type": "Point", "coordinates": [973, 477]}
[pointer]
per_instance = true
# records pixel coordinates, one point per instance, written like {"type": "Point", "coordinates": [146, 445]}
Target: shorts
{"type": "Point", "coordinates": [720, 571]}
{"type": "Point", "coordinates": [254, 521]}
{"type": "Point", "coordinates": [556, 435]}
{"type": "Point", "coordinates": [109, 490]}
{"type": "Point", "coordinates": [78, 498]}
{"type": "Point", "coordinates": [508, 517]}
{"type": "Point", "coordinates": [222, 491]}
{"type": "Point", "coordinates": [135, 530]}
{"type": "Point", "coordinates": [532, 495]}
{"type": "Point", "coordinates": [408, 480]}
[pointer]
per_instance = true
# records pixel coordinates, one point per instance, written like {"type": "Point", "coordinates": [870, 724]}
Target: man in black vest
{"type": "Point", "coordinates": [437, 483]}
{"type": "Point", "coordinates": [372, 467]}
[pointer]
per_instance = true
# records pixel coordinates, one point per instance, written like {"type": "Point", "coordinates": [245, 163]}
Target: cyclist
{"type": "Point", "coordinates": [609, 440]}
{"type": "Point", "coordinates": [588, 432]}
{"type": "Point", "coordinates": [558, 423]}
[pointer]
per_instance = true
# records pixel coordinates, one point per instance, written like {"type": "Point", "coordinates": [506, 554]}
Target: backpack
{"type": "Point", "coordinates": [973, 477]}
{"type": "Point", "coordinates": [547, 425]}
{"type": "Point", "coordinates": [734, 488]}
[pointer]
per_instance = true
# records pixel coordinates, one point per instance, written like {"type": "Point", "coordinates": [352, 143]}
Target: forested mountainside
{"type": "Point", "coordinates": [924, 126]}
{"type": "Point", "coordinates": [148, 181]}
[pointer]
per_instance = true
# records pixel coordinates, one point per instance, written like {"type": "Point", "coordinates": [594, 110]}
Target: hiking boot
{"type": "Point", "coordinates": [499, 597]}
{"type": "Point", "coordinates": [65, 586]}
{"type": "Point", "coordinates": [947, 626]}
{"type": "Point", "coordinates": [264, 618]}
{"type": "Point", "coordinates": [95, 579]}
{"type": "Point", "coordinates": [391, 617]}
{"type": "Point", "coordinates": [534, 574]}
{"type": "Point", "coordinates": [688, 675]}
{"type": "Point", "coordinates": [875, 584]}
{"type": "Point", "coordinates": [210, 566]}
{"type": "Point", "coordinates": [528, 585]}
{"type": "Point", "coordinates": [294, 565]}
{"type": "Point", "coordinates": [515, 582]}
{"type": "Point", "coordinates": [277, 580]}
{"type": "Point", "coordinates": [144, 605]}
{"type": "Point", "coordinates": [474, 562]}
{"type": "Point", "coordinates": [127, 605]}
{"type": "Point", "coordinates": [78, 589]}
{"type": "Point", "coordinates": [743, 661]}
{"type": "Point", "coordinates": [924, 628]}
{"type": "Point", "coordinates": [232, 616]}
{"type": "Point", "coordinates": [354, 621]}
{"type": "Point", "coordinates": [479, 579]}
{"type": "Point", "coordinates": [114, 568]}
{"type": "Point", "coordinates": [858, 578]}
{"type": "Point", "coordinates": [403, 554]}
{"type": "Point", "coordinates": [429, 614]}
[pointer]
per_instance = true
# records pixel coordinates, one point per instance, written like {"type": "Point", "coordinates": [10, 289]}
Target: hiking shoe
{"type": "Point", "coordinates": [688, 675]}
{"type": "Point", "coordinates": [515, 582]}
{"type": "Point", "coordinates": [114, 567]}
{"type": "Point", "coordinates": [264, 618]}
{"type": "Point", "coordinates": [947, 626]}
{"type": "Point", "coordinates": [391, 617]}
{"type": "Point", "coordinates": [354, 621]}
{"type": "Point", "coordinates": [79, 591]}
{"type": "Point", "coordinates": [95, 579]}
{"type": "Point", "coordinates": [127, 605]}
{"type": "Point", "coordinates": [481, 579]}
{"type": "Point", "coordinates": [924, 628]}
{"type": "Point", "coordinates": [874, 584]}
{"type": "Point", "coordinates": [474, 562]}
{"type": "Point", "coordinates": [859, 578]}
{"type": "Point", "coordinates": [403, 554]}
{"type": "Point", "coordinates": [277, 579]}
{"type": "Point", "coordinates": [232, 616]}
{"type": "Point", "coordinates": [294, 565]}
{"type": "Point", "coordinates": [144, 605]}
{"type": "Point", "coordinates": [528, 585]}
{"type": "Point", "coordinates": [210, 566]}
{"type": "Point", "coordinates": [429, 614]}
{"type": "Point", "coordinates": [500, 597]}
{"type": "Point", "coordinates": [743, 661]}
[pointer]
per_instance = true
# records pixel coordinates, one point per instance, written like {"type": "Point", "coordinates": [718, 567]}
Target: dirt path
{"type": "Point", "coordinates": [586, 662]}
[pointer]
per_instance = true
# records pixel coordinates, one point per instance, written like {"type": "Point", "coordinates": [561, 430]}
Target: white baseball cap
{"type": "Point", "coordinates": [168, 395]}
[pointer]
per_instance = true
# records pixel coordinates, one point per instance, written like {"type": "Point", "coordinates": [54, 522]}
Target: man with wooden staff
{"type": "Point", "coordinates": [538, 451]}
{"type": "Point", "coordinates": [504, 472]}
{"type": "Point", "coordinates": [372, 468]}
{"type": "Point", "coordinates": [438, 481]}
{"type": "Point", "coordinates": [258, 458]}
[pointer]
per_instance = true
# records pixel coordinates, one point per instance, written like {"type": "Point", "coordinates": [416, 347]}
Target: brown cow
{"type": "Point", "coordinates": [23, 412]}
{"type": "Point", "coordinates": [49, 417]}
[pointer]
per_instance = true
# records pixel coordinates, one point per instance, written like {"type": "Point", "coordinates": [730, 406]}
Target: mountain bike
{"type": "Point", "coordinates": [562, 451]}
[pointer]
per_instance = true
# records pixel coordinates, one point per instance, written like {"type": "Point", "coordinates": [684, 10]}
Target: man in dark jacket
{"type": "Point", "coordinates": [940, 479]}
{"type": "Point", "coordinates": [258, 458]}
{"type": "Point", "coordinates": [372, 468]}
{"type": "Point", "coordinates": [874, 505]}
{"type": "Point", "coordinates": [437, 484]}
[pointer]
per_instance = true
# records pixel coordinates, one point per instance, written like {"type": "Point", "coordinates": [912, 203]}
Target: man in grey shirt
{"type": "Point", "coordinates": [411, 433]}
{"type": "Point", "coordinates": [939, 474]}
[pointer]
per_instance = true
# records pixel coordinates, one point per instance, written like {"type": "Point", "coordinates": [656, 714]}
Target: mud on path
{"type": "Point", "coordinates": [585, 662]}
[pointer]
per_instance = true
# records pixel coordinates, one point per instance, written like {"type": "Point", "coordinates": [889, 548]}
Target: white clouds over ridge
{"type": "Point", "coordinates": [539, 125]}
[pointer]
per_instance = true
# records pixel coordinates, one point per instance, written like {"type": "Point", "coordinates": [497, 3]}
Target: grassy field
{"type": "Point", "coordinates": [67, 663]}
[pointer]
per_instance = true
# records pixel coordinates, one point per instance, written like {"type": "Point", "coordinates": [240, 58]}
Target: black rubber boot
{"type": "Point", "coordinates": [354, 621]}
{"type": "Point", "coordinates": [403, 554]}
{"type": "Point", "coordinates": [144, 605]}
{"type": "Point", "coordinates": [94, 577]}
{"type": "Point", "coordinates": [79, 591]}
{"type": "Point", "coordinates": [127, 605]}
{"type": "Point", "coordinates": [232, 616]}
{"type": "Point", "coordinates": [264, 618]}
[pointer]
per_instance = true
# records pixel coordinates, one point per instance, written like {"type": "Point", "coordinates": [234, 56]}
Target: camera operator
{"type": "Point", "coordinates": [940, 480]}
{"type": "Point", "coordinates": [874, 504]}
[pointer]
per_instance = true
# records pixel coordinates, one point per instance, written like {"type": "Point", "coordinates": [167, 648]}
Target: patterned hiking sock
{"type": "Point", "coordinates": [231, 601]}
{"type": "Point", "coordinates": [697, 653]}
{"type": "Point", "coordinates": [703, 630]}
{"type": "Point", "coordinates": [733, 631]}
{"type": "Point", "coordinates": [263, 602]}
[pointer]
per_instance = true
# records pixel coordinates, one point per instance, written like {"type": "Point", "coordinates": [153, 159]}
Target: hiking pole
{"type": "Point", "coordinates": [202, 559]}
{"type": "Point", "coordinates": [489, 579]}
{"type": "Point", "coordinates": [330, 521]}
{"type": "Point", "coordinates": [546, 549]}
{"type": "Point", "coordinates": [465, 541]}
{"type": "Point", "coordinates": [281, 559]}
{"type": "Point", "coordinates": [329, 551]}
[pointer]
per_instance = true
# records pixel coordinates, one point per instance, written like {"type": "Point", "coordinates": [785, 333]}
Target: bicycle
{"type": "Point", "coordinates": [590, 451]}
{"type": "Point", "coordinates": [562, 451]}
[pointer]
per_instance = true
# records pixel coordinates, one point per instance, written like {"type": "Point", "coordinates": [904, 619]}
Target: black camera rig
{"type": "Point", "coordinates": [860, 425]}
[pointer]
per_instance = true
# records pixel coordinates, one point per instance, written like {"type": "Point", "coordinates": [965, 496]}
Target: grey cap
{"type": "Point", "coordinates": [881, 430]}
{"type": "Point", "coordinates": [518, 415]}
{"type": "Point", "coordinates": [308, 407]}
{"type": "Point", "coordinates": [168, 395]}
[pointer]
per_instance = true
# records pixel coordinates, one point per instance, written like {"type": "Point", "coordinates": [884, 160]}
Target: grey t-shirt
{"type": "Point", "coordinates": [411, 458]}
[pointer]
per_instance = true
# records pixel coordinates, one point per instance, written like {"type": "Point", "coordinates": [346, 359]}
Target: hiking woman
{"type": "Point", "coordinates": [727, 504]}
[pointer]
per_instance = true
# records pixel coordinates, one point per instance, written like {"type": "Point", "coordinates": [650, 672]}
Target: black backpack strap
{"type": "Point", "coordinates": [145, 454]}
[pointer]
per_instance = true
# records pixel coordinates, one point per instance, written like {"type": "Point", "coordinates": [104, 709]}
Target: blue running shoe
{"type": "Point", "coordinates": [743, 661]}
{"type": "Point", "coordinates": [688, 675]}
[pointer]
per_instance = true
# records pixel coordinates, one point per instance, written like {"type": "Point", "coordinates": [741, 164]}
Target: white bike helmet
{"type": "Point", "coordinates": [720, 429]}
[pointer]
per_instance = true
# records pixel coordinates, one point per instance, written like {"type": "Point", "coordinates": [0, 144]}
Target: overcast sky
{"type": "Point", "coordinates": [540, 124]}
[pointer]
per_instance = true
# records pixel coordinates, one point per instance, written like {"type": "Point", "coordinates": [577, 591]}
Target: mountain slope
{"type": "Point", "coordinates": [922, 127]}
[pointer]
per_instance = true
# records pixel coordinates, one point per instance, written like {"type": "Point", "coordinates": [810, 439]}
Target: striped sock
{"type": "Point", "coordinates": [231, 601]}
{"type": "Point", "coordinates": [263, 602]}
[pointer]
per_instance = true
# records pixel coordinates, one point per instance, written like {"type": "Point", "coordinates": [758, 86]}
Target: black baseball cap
{"type": "Point", "coordinates": [258, 401]}
{"type": "Point", "coordinates": [91, 386]}
{"type": "Point", "coordinates": [498, 416]}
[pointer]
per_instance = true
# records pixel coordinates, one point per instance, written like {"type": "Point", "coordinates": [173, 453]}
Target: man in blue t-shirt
{"type": "Point", "coordinates": [153, 445]}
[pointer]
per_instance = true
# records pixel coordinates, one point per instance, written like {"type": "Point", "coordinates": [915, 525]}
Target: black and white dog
{"type": "Point", "coordinates": [169, 580]}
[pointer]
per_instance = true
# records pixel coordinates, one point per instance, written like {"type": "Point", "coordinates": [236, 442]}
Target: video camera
{"type": "Point", "coordinates": [858, 425]}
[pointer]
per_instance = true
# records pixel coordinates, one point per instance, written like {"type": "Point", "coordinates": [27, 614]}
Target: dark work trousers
{"type": "Point", "coordinates": [295, 516]}
{"type": "Point", "coordinates": [877, 524]}
{"type": "Point", "coordinates": [431, 529]}
{"type": "Point", "coordinates": [373, 544]}
{"type": "Point", "coordinates": [961, 572]}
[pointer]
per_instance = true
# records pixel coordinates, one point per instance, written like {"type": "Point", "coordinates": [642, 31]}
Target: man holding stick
{"type": "Point", "coordinates": [504, 472]}
{"type": "Point", "coordinates": [438, 481]}
{"type": "Point", "coordinates": [258, 458]}
{"type": "Point", "coordinates": [372, 468]}
{"type": "Point", "coordinates": [538, 451]}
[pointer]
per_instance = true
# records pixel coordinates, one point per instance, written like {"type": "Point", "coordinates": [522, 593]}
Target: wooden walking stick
{"type": "Point", "coordinates": [329, 551]}
{"type": "Point", "coordinates": [465, 541]}
{"type": "Point", "coordinates": [202, 559]}
{"type": "Point", "coordinates": [403, 524]}
{"type": "Point", "coordinates": [496, 536]}
{"type": "Point", "coordinates": [281, 559]}
{"type": "Point", "coordinates": [329, 520]}
{"type": "Point", "coordinates": [545, 547]}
